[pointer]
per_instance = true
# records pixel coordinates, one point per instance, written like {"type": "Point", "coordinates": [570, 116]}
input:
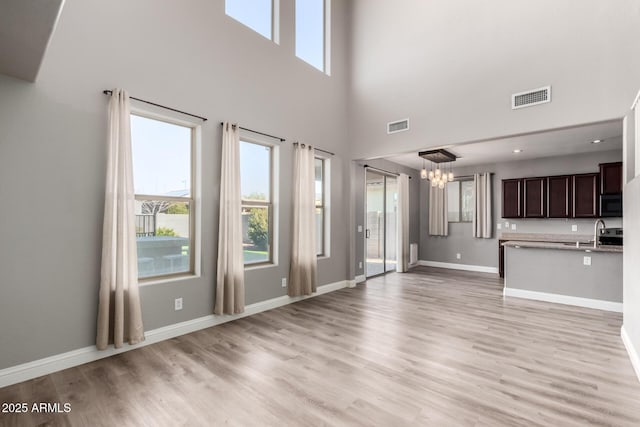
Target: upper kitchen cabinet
{"type": "Point", "coordinates": [611, 178]}
{"type": "Point", "coordinates": [585, 195]}
{"type": "Point", "coordinates": [511, 198]}
{"type": "Point", "coordinates": [535, 197]}
{"type": "Point", "coordinates": [560, 197]}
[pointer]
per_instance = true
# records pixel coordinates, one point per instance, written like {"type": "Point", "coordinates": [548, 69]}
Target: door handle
{"type": "Point", "coordinates": [367, 233]}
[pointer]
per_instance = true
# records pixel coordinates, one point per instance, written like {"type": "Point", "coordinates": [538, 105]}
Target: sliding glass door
{"type": "Point", "coordinates": [380, 234]}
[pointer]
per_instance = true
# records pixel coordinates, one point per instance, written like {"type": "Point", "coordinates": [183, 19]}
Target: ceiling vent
{"type": "Point", "coordinates": [398, 126]}
{"type": "Point", "coordinates": [531, 97]}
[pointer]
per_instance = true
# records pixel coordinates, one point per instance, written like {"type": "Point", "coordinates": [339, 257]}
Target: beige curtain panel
{"type": "Point", "coordinates": [482, 212]}
{"type": "Point", "coordinates": [119, 311]}
{"type": "Point", "coordinates": [438, 215]}
{"type": "Point", "coordinates": [304, 261]}
{"type": "Point", "coordinates": [230, 274]}
{"type": "Point", "coordinates": [402, 224]}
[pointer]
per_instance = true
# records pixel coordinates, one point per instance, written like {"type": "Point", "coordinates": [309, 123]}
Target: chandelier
{"type": "Point", "coordinates": [440, 169]}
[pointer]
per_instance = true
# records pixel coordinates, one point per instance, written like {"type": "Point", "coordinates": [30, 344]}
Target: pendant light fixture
{"type": "Point", "coordinates": [439, 176]}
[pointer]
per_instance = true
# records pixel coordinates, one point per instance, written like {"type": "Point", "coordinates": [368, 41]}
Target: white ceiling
{"type": "Point", "coordinates": [536, 145]}
{"type": "Point", "coordinates": [25, 29]}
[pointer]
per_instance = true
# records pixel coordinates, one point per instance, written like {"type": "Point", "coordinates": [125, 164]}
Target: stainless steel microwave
{"type": "Point", "coordinates": [611, 205]}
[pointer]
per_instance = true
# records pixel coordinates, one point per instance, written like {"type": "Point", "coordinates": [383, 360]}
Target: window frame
{"type": "Point", "coordinates": [194, 206]}
{"type": "Point", "coordinates": [460, 181]}
{"type": "Point", "coordinates": [270, 205]}
{"type": "Point", "coordinates": [326, 36]}
{"type": "Point", "coordinates": [323, 206]}
{"type": "Point", "coordinates": [274, 20]}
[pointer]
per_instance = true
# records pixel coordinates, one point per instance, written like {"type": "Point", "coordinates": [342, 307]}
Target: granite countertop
{"type": "Point", "coordinates": [567, 246]}
{"type": "Point", "coordinates": [547, 237]}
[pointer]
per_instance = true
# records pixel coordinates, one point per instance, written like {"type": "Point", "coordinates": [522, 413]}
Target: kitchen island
{"type": "Point", "coordinates": [568, 273]}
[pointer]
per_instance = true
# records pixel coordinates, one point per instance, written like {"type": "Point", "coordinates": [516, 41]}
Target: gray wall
{"type": "Point", "coordinates": [53, 154]}
{"type": "Point", "coordinates": [484, 252]}
{"type": "Point", "coordinates": [359, 190]}
{"type": "Point", "coordinates": [631, 277]}
{"type": "Point", "coordinates": [455, 82]}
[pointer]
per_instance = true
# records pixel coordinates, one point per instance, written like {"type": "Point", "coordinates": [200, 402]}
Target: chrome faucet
{"type": "Point", "coordinates": [595, 231]}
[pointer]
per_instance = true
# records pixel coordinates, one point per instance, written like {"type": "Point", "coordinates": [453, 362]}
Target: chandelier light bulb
{"type": "Point", "coordinates": [438, 172]}
{"type": "Point", "coordinates": [423, 173]}
{"type": "Point", "coordinates": [431, 174]}
{"type": "Point", "coordinates": [450, 176]}
{"type": "Point", "coordinates": [441, 185]}
{"type": "Point", "coordinates": [434, 183]}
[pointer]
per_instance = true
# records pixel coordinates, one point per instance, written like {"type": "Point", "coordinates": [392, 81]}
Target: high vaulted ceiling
{"type": "Point", "coordinates": [26, 27]}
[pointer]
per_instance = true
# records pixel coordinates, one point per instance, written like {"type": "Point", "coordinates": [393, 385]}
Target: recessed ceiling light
{"type": "Point", "coordinates": [517, 150]}
{"type": "Point", "coordinates": [596, 141]}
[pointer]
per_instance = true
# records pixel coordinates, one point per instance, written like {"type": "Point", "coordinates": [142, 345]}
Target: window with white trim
{"type": "Point", "coordinates": [256, 184]}
{"type": "Point", "coordinates": [163, 179]}
{"type": "Point", "coordinates": [460, 200]}
{"type": "Point", "coordinates": [255, 14]}
{"type": "Point", "coordinates": [311, 32]}
{"type": "Point", "coordinates": [321, 205]}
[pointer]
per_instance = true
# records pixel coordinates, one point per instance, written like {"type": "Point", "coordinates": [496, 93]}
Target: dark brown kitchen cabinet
{"type": "Point", "coordinates": [535, 197]}
{"type": "Point", "coordinates": [511, 198]}
{"type": "Point", "coordinates": [559, 196]}
{"type": "Point", "coordinates": [585, 195]}
{"type": "Point", "coordinates": [611, 178]}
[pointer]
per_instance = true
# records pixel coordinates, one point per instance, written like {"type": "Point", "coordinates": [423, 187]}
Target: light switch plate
{"type": "Point", "coordinates": [359, 229]}
{"type": "Point", "coordinates": [506, 225]}
{"type": "Point", "coordinates": [574, 227]}
{"type": "Point", "coordinates": [177, 304]}
{"type": "Point", "coordinates": [457, 256]}
{"type": "Point", "coordinates": [587, 260]}
{"type": "Point", "coordinates": [513, 226]}
{"type": "Point", "coordinates": [499, 226]}
{"type": "Point", "coordinates": [360, 264]}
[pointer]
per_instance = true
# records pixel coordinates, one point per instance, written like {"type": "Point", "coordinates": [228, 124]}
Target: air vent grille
{"type": "Point", "coordinates": [531, 97]}
{"type": "Point", "coordinates": [398, 126]}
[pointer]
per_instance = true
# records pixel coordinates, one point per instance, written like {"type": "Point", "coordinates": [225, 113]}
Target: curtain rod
{"type": "Point", "coordinates": [384, 171]}
{"type": "Point", "coordinates": [204, 119]}
{"type": "Point", "coordinates": [319, 149]}
{"type": "Point", "coordinates": [255, 131]}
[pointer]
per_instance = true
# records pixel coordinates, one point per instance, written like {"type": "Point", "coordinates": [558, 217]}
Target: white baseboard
{"type": "Point", "coordinates": [564, 299]}
{"type": "Point", "coordinates": [48, 365]}
{"type": "Point", "coordinates": [633, 354]}
{"type": "Point", "coordinates": [361, 278]}
{"type": "Point", "coordinates": [453, 266]}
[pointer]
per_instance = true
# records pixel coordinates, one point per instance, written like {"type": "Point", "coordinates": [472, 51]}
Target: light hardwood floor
{"type": "Point", "coordinates": [431, 347]}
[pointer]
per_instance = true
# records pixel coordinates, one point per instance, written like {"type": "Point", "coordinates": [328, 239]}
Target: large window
{"type": "Point", "coordinates": [256, 182]}
{"type": "Point", "coordinates": [164, 203]}
{"type": "Point", "coordinates": [310, 32]}
{"type": "Point", "coordinates": [460, 201]}
{"type": "Point", "coordinates": [255, 14]}
{"type": "Point", "coordinates": [321, 223]}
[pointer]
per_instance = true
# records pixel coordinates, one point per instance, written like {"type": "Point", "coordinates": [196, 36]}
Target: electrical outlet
{"type": "Point", "coordinates": [457, 256]}
{"type": "Point", "coordinates": [499, 226]}
{"type": "Point", "coordinates": [574, 227]}
{"type": "Point", "coordinates": [513, 226]}
{"type": "Point", "coordinates": [284, 282]}
{"type": "Point", "coordinates": [359, 229]}
{"type": "Point", "coordinates": [587, 260]}
{"type": "Point", "coordinates": [360, 264]}
{"type": "Point", "coordinates": [506, 225]}
{"type": "Point", "coordinates": [177, 304]}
